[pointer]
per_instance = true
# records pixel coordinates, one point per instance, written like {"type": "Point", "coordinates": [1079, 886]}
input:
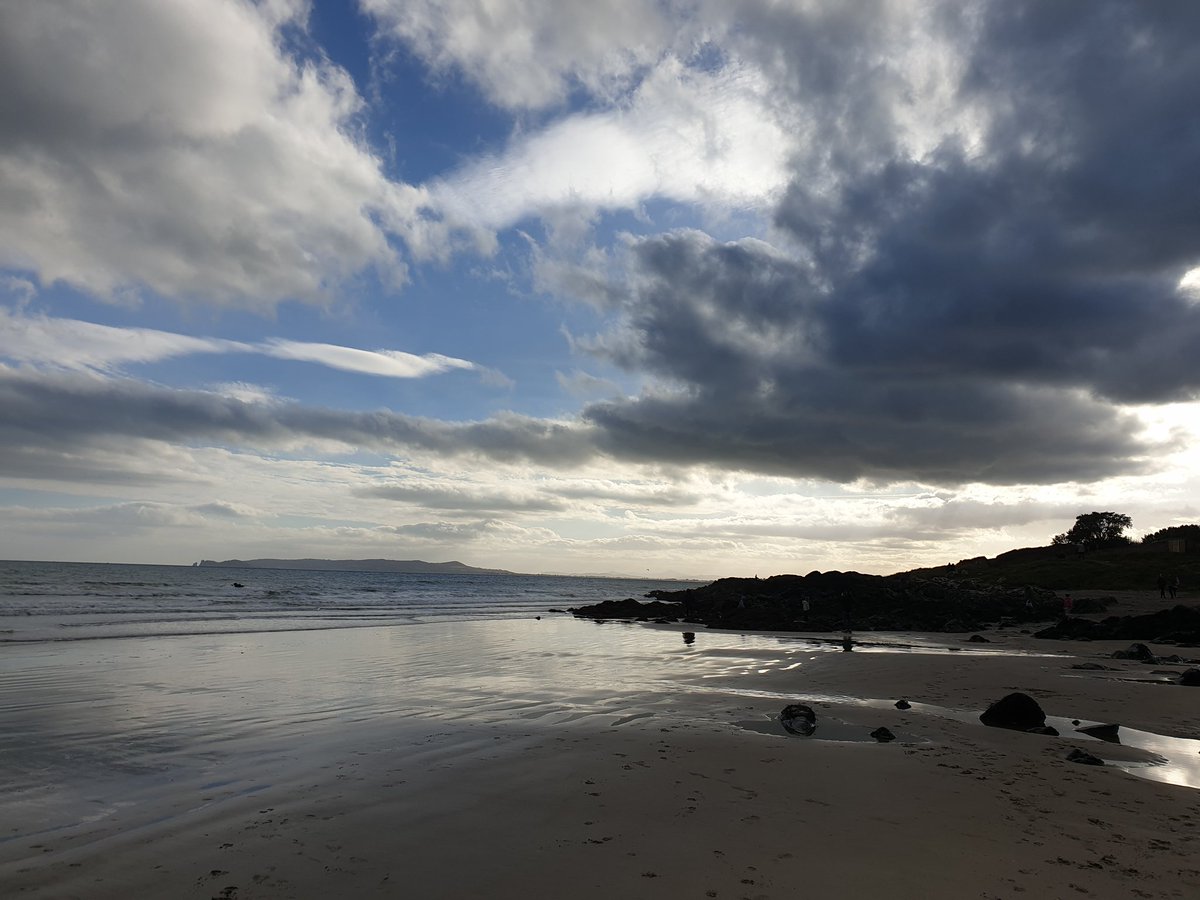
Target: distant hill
{"type": "Point", "coordinates": [396, 566]}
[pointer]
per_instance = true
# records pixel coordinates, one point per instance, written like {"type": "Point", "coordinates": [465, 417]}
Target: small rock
{"type": "Point", "coordinates": [798, 719]}
{"type": "Point", "coordinates": [1079, 756]}
{"type": "Point", "coordinates": [1092, 667]}
{"type": "Point", "coordinates": [903, 704]}
{"type": "Point", "coordinates": [1140, 652]}
{"type": "Point", "coordinates": [977, 639]}
{"type": "Point", "coordinates": [883, 735]}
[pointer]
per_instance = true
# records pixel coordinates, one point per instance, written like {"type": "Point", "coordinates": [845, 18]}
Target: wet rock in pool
{"type": "Point", "coordinates": [1079, 756]}
{"type": "Point", "coordinates": [1191, 678]}
{"type": "Point", "coordinates": [798, 719]}
{"type": "Point", "coordinates": [1016, 710]}
{"type": "Point", "coordinates": [1140, 652]}
{"type": "Point", "coordinates": [903, 704]}
{"type": "Point", "coordinates": [977, 639]}
{"type": "Point", "coordinates": [883, 735]}
{"type": "Point", "coordinates": [1103, 732]}
{"type": "Point", "coordinates": [1092, 667]}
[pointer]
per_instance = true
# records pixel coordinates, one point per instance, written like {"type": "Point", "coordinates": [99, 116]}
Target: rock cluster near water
{"type": "Point", "coordinates": [838, 600]}
{"type": "Point", "coordinates": [1178, 625]}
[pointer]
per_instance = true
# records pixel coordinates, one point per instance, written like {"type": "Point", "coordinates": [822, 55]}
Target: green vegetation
{"type": "Point", "coordinates": [1094, 555]}
{"type": "Point", "coordinates": [1175, 532]}
{"type": "Point", "coordinates": [1063, 569]}
{"type": "Point", "coordinates": [1096, 529]}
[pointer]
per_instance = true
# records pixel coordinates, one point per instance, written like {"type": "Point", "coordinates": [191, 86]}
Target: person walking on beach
{"type": "Point", "coordinates": [1162, 587]}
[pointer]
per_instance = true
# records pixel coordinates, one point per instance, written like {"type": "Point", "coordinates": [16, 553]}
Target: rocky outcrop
{"type": "Point", "coordinates": [838, 601]}
{"type": "Point", "coordinates": [1177, 625]}
{"type": "Point", "coordinates": [630, 609]}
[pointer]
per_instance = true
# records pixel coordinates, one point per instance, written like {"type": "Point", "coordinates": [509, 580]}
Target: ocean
{"type": "Point", "coordinates": [55, 601]}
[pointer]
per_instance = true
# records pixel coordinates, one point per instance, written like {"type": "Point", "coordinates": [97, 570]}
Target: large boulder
{"type": "Point", "coordinates": [1191, 678]}
{"type": "Point", "coordinates": [1016, 710]}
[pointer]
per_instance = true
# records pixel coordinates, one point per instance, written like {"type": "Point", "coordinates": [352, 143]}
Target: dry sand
{"type": "Point", "coordinates": [565, 759]}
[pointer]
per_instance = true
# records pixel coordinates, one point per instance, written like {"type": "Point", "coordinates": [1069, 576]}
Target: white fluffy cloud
{"type": "Point", "coordinates": [685, 135]}
{"type": "Point", "coordinates": [178, 147]}
{"type": "Point", "coordinates": [528, 53]}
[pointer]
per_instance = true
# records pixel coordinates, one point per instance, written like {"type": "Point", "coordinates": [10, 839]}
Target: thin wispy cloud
{"type": "Point", "coordinates": [71, 344]}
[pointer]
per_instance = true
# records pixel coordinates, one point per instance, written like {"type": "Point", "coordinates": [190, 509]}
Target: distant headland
{"type": "Point", "coordinates": [396, 566]}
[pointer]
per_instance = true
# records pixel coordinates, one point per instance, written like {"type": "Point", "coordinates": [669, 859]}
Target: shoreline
{"type": "Point", "coordinates": [518, 758]}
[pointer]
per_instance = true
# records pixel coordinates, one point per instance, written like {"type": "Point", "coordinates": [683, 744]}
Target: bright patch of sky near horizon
{"type": "Point", "coordinates": [681, 288]}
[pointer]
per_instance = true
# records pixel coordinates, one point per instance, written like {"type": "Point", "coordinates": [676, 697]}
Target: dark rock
{"type": "Point", "coordinates": [883, 735]}
{"type": "Point", "coordinates": [238, 584]}
{"type": "Point", "coordinates": [1043, 729]}
{"type": "Point", "coordinates": [977, 639]}
{"type": "Point", "coordinates": [1178, 625]}
{"type": "Point", "coordinates": [1190, 678]}
{"type": "Point", "coordinates": [1092, 667]}
{"type": "Point", "coordinates": [1079, 756]}
{"type": "Point", "coordinates": [1140, 652]}
{"type": "Point", "coordinates": [1017, 711]}
{"type": "Point", "coordinates": [552, 609]}
{"type": "Point", "coordinates": [1087, 605]}
{"type": "Point", "coordinates": [798, 719]}
{"type": "Point", "coordinates": [1104, 732]}
{"type": "Point", "coordinates": [903, 704]}
{"type": "Point", "coordinates": [628, 609]}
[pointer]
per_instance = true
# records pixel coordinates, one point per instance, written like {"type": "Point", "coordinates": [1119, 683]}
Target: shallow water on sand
{"type": "Point", "coordinates": [146, 729]}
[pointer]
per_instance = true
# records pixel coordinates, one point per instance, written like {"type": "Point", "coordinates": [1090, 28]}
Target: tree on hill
{"type": "Point", "coordinates": [1096, 529]}
{"type": "Point", "coordinates": [1174, 532]}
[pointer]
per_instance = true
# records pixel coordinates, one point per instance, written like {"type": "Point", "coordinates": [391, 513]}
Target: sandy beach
{"type": "Point", "coordinates": [554, 758]}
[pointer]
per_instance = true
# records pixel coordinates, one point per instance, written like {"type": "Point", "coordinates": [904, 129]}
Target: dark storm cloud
{"type": "Point", "coordinates": [974, 314]}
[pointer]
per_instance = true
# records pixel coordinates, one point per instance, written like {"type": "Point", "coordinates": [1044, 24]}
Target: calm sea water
{"type": "Point", "coordinates": [43, 601]}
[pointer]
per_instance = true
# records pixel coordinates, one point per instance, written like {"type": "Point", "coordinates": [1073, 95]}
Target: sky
{"type": "Point", "coordinates": [678, 288]}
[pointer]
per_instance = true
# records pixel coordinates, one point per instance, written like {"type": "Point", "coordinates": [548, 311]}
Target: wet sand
{"type": "Point", "coordinates": [556, 758]}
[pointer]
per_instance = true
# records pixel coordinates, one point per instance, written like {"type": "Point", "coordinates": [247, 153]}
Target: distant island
{"type": "Point", "coordinates": [395, 566]}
